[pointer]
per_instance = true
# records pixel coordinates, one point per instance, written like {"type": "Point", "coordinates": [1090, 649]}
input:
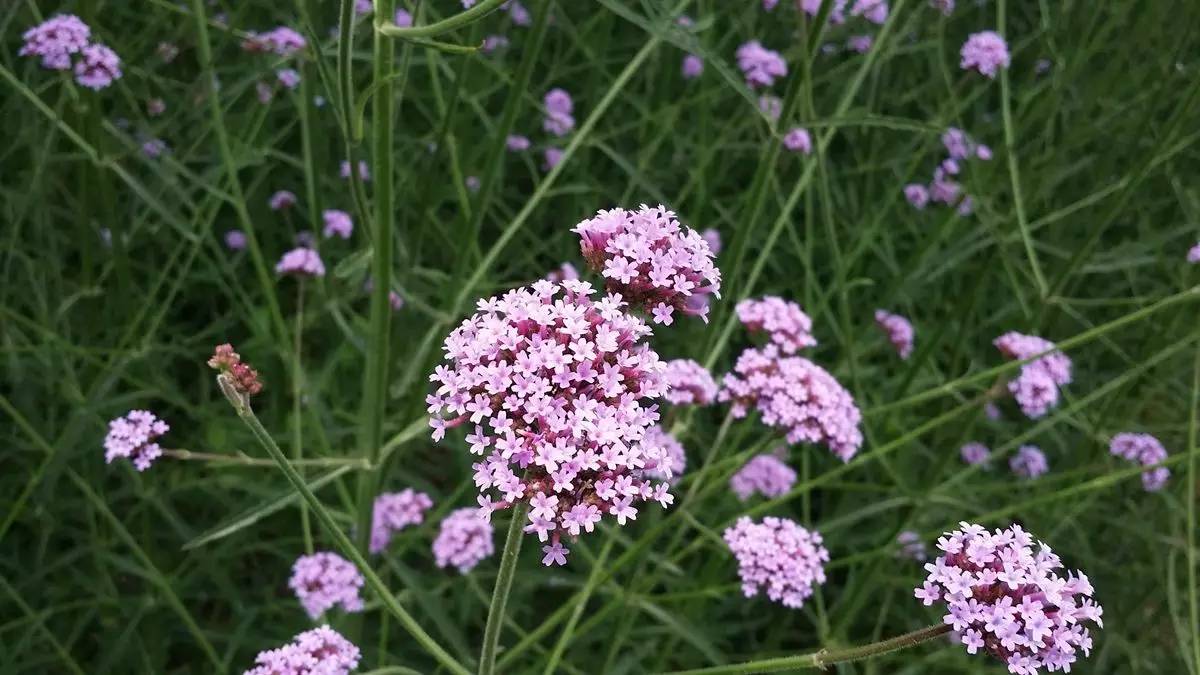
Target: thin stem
{"type": "Point", "coordinates": [826, 657]}
{"type": "Point", "coordinates": [346, 546]}
{"type": "Point", "coordinates": [508, 566]}
{"type": "Point", "coordinates": [1193, 601]}
{"type": "Point", "coordinates": [444, 26]}
{"type": "Point", "coordinates": [297, 429]}
{"type": "Point", "coordinates": [245, 460]}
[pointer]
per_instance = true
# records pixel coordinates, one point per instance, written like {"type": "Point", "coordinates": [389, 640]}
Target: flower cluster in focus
{"type": "Point", "coordinates": [324, 580]}
{"type": "Point", "coordinates": [899, 331]}
{"type": "Point", "coordinates": [760, 65]}
{"type": "Point", "coordinates": [320, 651]}
{"type": "Point", "coordinates": [986, 52]}
{"type": "Point", "coordinates": [778, 556]}
{"type": "Point", "coordinates": [60, 37]}
{"type": "Point", "coordinates": [132, 436]}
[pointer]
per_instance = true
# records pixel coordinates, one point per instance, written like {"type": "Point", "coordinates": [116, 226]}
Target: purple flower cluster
{"type": "Point", "coordinates": [899, 331]}
{"type": "Point", "coordinates": [692, 67]}
{"type": "Point", "coordinates": [875, 11]}
{"type": "Point", "coordinates": [798, 140]}
{"type": "Point", "coordinates": [301, 261]}
{"type": "Point", "coordinates": [282, 199]}
{"type": "Point", "coordinates": [780, 556]}
{"type": "Point", "coordinates": [760, 65]}
{"type": "Point", "coordinates": [796, 395]}
{"type": "Point", "coordinates": [1193, 254]}
{"type": "Point", "coordinates": [516, 143]}
{"type": "Point", "coordinates": [559, 106]}
{"type": "Point", "coordinates": [97, 67]}
{"type": "Point", "coordinates": [288, 77]}
{"type": "Point", "coordinates": [674, 461]}
{"type": "Point", "coordinates": [465, 538]}
{"type": "Point", "coordinates": [911, 546]}
{"type": "Point", "coordinates": [320, 651]}
{"type": "Point", "coordinates": [944, 189]}
{"type": "Point", "coordinates": [557, 387]}
{"type": "Point", "coordinates": [986, 52]}
{"type": "Point", "coordinates": [56, 39]}
{"type": "Point", "coordinates": [689, 383]}
{"type": "Point", "coordinates": [1004, 598]}
{"type": "Point", "coordinates": [133, 436]}
{"type": "Point", "coordinates": [1146, 450]}
{"type": "Point", "coordinates": [1029, 462]}
{"type": "Point", "coordinates": [860, 44]}
{"type": "Point", "coordinates": [394, 511]}
{"type": "Point", "coordinates": [765, 474]}
{"type": "Point", "coordinates": [771, 106]}
{"type": "Point", "coordinates": [337, 223]}
{"type": "Point", "coordinates": [975, 453]}
{"type": "Point", "coordinates": [784, 322]}
{"type": "Point", "coordinates": [324, 580]}
{"type": "Point", "coordinates": [1036, 388]}
{"type": "Point", "coordinates": [517, 12]}
{"type": "Point", "coordinates": [235, 240]}
{"type": "Point", "coordinates": [651, 260]}
{"type": "Point", "coordinates": [281, 40]}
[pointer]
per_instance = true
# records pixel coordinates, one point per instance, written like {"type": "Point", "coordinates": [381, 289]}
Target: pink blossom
{"type": "Point", "coordinates": [1036, 388]}
{"type": "Point", "coordinates": [875, 11]}
{"type": "Point", "coordinates": [517, 143]}
{"type": "Point", "coordinates": [1193, 254]}
{"type": "Point", "coordinates": [860, 44]}
{"type": "Point", "coordinates": [713, 238]}
{"type": "Point", "coordinates": [784, 322]}
{"type": "Point", "coordinates": [98, 67]}
{"type": "Point", "coordinates": [283, 199]}
{"type": "Point", "coordinates": [911, 546]}
{"type": "Point", "coordinates": [899, 331]}
{"type": "Point", "coordinates": [394, 511]}
{"type": "Point", "coordinates": [1146, 450]}
{"type": "Point", "coordinates": [320, 651]}
{"type": "Point", "coordinates": [765, 474]}
{"type": "Point", "coordinates": [760, 65]}
{"type": "Point", "coordinates": [133, 437]}
{"type": "Point", "coordinates": [403, 18]}
{"type": "Point", "coordinates": [986, 52]}
{"type": "Point", "coordinates": [798, 140]}
{"type": "Point", "coordinates": [836, 16]}
{"type": "Point", "coordinates": [551, 156]}
{"type": "Point", "coordinates": [55, 40]}
{"type": "Point", "coordinates": [288, 77]}
{"type": "Point", "coordinates": [974, 453]}
{"type": "Point", "coordinates": [692, 67]}
{"type": "Point", "coordinates": [689, 383]}
{"type": "Point", "coordinates": [771, 106]}
{"type": "Point", "coordinates": [778, 556]}
{"type": "Point", "coordinates": [1029, 462]}
{"type": "Point", "coordinates": [558, 120]}
{"type": "Point", "coordinates": [917, 195]}
{"type": "Point", "coordinates": [517, 12]}
{"type": "Point", "coordinates": [364, 171]}
{"type": "Point", "coordinates": [301, 262]}
{"type": "Point", "coordinates": [235, 240]}
{"type": "Point", "coordinates": [465, 538]}
{"type": "Point", "coordinates": [325, 580]}
{"type": "Point", "coordinates": [282, 41]}
{"type": "Point", "coordinates": [337, 223]}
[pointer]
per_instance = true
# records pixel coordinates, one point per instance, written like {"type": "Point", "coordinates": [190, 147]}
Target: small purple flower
{"type": "Point", "coordinates": [282, 41]}
{"type": "Point", "coordinates": [917, 195]}
{"type": "Point", "coordinates": [516, 143]}
{"type": "Point", "coordinates": [771, 106]}
{"type": "Point", "coordinates": [282, 199]}
{"type": "Point", "coordinates": [975, 454]}
{"type": "Point", "coordinates": [301, 262]}
{"type": "Point", "coordinates": [394, 511]}
{"type": "Point", "coordinates": [98, 67]}
{"type": "Point", "coordinates": [288, 77]}
{"type": "Point", "coordinates": [760, 65]}
{"type": "Point", "coordinates": [1029, 462]}
{"type": "Point", "coordinates": [337, 223]}
{"type": "Point", "coordinates": [764, 474]}
{"type": "Point", "coordinates": [986, 52]}
{"type": "Point", "coordinates": [364, 171]}
{"type": "Point", "coordinates": [558, 120]}
{"type": "Point", "coordinates": [155, 107]}
{"type": "Point", "coordinates": [55, 40]}
{"type": "Point", "coordinates": [875, 11]}
{"type": "Point", "coordinates": [798, 140]}
{"type": "Point", "coordinates": [899, 331]}
{"type": "Point", "coordinates": [403, 18]}
{"type": "Point", "coordinates": [324, 580]}
{"type": "Point", "coordinates": [133, 437]}
{"type": "Point", "coordinates": [1146, 450]}
{"type": "Point", "coordinates": [778, 556]}
{"type": "Point", "coordinates": [713, 237]}
{"type": "Point", "coordinates": [155, 148]}
{"type": "Point", "coordinates": [264, 92]}
{"type": "Point", "coordinates": [860, 44]}
{"type": "Point", "coordinates": [1193, 254]}
{"type": "Point", "coordinates": [235, 240]}
{"type": "Point", "coordinates": [517, 12]}
{"type": "Point", "coordinates": [320, 650]}
{"type": "Point", "coordinates": [465, 538]}
{"type": "Point", "coordinates": [493, 42]}
{"type": "Point", "coordinates": [551, 156]}
{"type": "Point", "coordinates": [692, 67]}
{"type": "Point", "coordinates": [911, 546]}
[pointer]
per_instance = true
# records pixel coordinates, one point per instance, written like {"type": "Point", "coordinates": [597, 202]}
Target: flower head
{"type": "Point", "coordinates": [243, 378]}
{"type": "Point", "coordinates": [1193, 254]}
{"type": "Point", "coordinates": [798, 140]}
{"type": "Point", "coordinates": [1146, 450]}
{"type": "Point", "coordinates": [55, 40]}
{"type": "Point", "coordinates": [403, 18]}
{"type": "Point", "coordinates": [917, 195]}
{"type": "Point", "coordinates": [875, 11]}
{"type": "Point", "coordinates": [98, 67]}
{"type": "Point", "coordinates": [760, 65]}
{"type": "Point", "coordinates": [555, 390]}
{"type": "Point", "coordinates": [779, 556]}
{"type": "Point", "coordinates": [797, 396]}
{"type": "Point", "coordinates": [713, 237]}
{"type": "Point", "coordinates": [301, 261]}
{"type": "Point", "coordinates": [692, 67]}
{"type": "Point", "coordinates": [337, 223]}
{"type": "Point", "coordinates": [516, 143]}
{"type": "Point", "coordinates": [320, 651]}
{"type": "Point", "coordinates": [1006, 598]}
{"type": "Point", "coordinates": [771, 106]}
{"type": "Point", "coordinates": [235, 240]}
{"type": "Point", "coordinates": [1036, 388]}
{"type": "Point", "coordinates": [517, 12]}
{"type": "Point", "coordinates": [288, 77]}
{"type": "Point", "coordinates": [765, 474]}
{"type": "Point", "coordinates": [155, 148]}
{"type": "Point", "coordinates": [1029, 462]}
{"type": "Point", "coordinates": [784, 322]}
{"type": "Point", "coordinates": [911, 546]}
{"type": "Point", "coordinates": [559, 106]}
{"type": "Point", "coordinates": [689, 383]}
{"type": "Point", "coordinates": [986, 52]}
{"type": "Point", "coordinates": [860, 44]}
{"type": "Point", "coordinates": [899, 331]}
{"type": "Point", "coordinates": [551, 157]}
{"type": "Point", "coordinates": [324, 580]}
{"type": "Point", "coordinates": [282, 199]}
{"type": "Point", "coordinates": [975, 453]}
{"type": "Point", "coordinates": [465, 538]}
{"type": "Point", "coordinates": [133, 436]}
{"type": "Point", "coordinates": [281, 40]}
{"type": "Point", "coordinates": [394, 511]}
{"type": "Point", "coordinates": [649, 258]}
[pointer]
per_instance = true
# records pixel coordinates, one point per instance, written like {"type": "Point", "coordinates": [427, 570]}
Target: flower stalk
{"type": "Point", "coordinates": [504, 579]}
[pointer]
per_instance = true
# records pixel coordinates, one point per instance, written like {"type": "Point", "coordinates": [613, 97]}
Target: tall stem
{"type": "Point", "coordinates": [297, 389]}
{"type": "Point", "coordinates": [826, 657]}
{"type": "Point", "coordinates": [508, 566]}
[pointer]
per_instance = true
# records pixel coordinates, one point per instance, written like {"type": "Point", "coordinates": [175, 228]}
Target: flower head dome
{"type": "Point", "coordinates": [986, 52]}
{"type": "Point", "coordinates": [784, 322]}
{"type": "Point", "coordinates": [465, 538]}
{"type": "Point", "coordinates": [1036, 388]}
{"type": "Point", "coordinates": [394, 511]}
{"type": "Point", "coordinates": [778, 556]}
{"type": "Point", "coordinates": [899, 331]}
{"type": "Point", "coordinates": [55, 40]}
{"type": "Point", "coordinates": [324, 580]}
{"type": "Point", "coordinates": [132, 437]}
{"type": "Point", "coordinates": [689, 383]}
{"type": "Point", "coordinates": [320, 651]}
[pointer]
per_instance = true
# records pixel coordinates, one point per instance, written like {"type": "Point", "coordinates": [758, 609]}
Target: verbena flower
{"type": "Point", "coordinates": [986, 52]}
{"type": "Point", "coordinates": [264, 92]}
{"type": "Point", "coordinates": [975, 453]}
{"type": "Point", "coordinates": [167, 51]}
{"type": "Point", "coordinates": [325, 580]}
{"type": "Point", "coordinates": [559, 106]}
{"type": "Point", "coordinates": [1146, 450]}
{"type": "Point", "coordinates": [917, 195]}
{"type": "Point", "coordinates": [516, 143]}
{"type": "Point", "coordinates": [403, 18]}
{"type": "Point", "coordinates": [235, 240]}
{"type": "Point", "coordinates": [713, 237]}
{"type": "Point", "coordinates": [760, 65]}
{"type": "Point", "coordinates": [911, 546]}
{"type": "Point", "coordinates": [320, 651]}
{"type": "Point", "coordinates": [689, 383]}
{"type": "Point", "coordinates": [243, 378]}
{"type": "Point", "coordinates": [771, 106]}
{"type": "Point", "coordinates": [98, 67]}
{"type": "Point", "coordinates": [55, 40]}
{"type": "Point", "coordinates": [836, 16]}
{"type": "Point", "coordinates": [778, 556]}
{"type": "Point", "coordinates": [784, 322]}
{"type": "Point", "coordinates": [337, 223]}
{"type": "Point", "coordinates": [394, 511]}
{"type": "Point", "coordinates": [1029, 462]}
{"type": "Point", "coordinates": [765, 474]}
{"type": "Point", "coordinates": [798, 140]}
{"type": "Point", "coordinates": [517, 12]}
{"type": "Point", "coordinates": [860, 44]}
{"type": "Point", "coordinates": [875, 11]}
{"type": "Point", "coordinates": [1036, 388]}
{"type": "Point", "coordinates": [155, 148]}
{"type": "Point", "coordinates": [899, 331]}
{"type": "Point", "coordinates": [556, 392]}
{"type": "Point", "coordinates": [651, 260]}
{"type": "Point", "coordinates": [551, 157]}
{"type": "Point", "coordinates": [1193, 254]}
{"type": "Point", "coordinates": [301, 261]}
{"type": "Point", "coordinates": [132, 437]}
{"type": "Point", "coordinates": [796, 396]}
{"type": "Point", "coordinates": [992, 411]}
{"type": "Point", "coordinates": [674, 461]}
{"type": "Point", "coordinates": [465, 538]}
{"type": "Point", "coordinates": [1006, 599]}
{"type": "Point", "coordinates": [282, 199]}
{"type": "Point", "coordinates": [288, 77]}
{"type": "Point", "coordinates": [364, 171]}
{"type": "Point", "coordinates": [472, 183]}
{"type": "Point", "coordinates": [281, 40]}
{"type": "Point", "coordinates": [692, 67]}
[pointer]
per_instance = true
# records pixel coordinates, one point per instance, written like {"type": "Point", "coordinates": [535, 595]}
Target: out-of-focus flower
{"type": "Point", "coordinates": [364, 171]}
{"type": "Point", "coordinates": [860, 44]}
{"type": "Point", "coordinates": [282, 199]}
{"type": "Point", "coordinates": [674, 460]}
{"type": "Point", "coordinates": [765, 474]}
{"type": "Point", "coordinates": [1036, 388]}
{"type": "Point", "coordinates": [946, 7]}
{"type": "Point", "coordinates": [975, 453]}
{"type": "Point", "coordinates": [167, 51]}
{"type": "Point", "coordinates": [403, 18]}
{"type": "Point", "coordinates": [288, 77]}
{"type": "Point", "coordinates": [899, 331]}
{"type": "Point", "coordinates": [516, 143]}
{"type": "Point", "coordinates": [55, 40]}
{"type": "Point", "coordinates": [155, 107]}
{"type": "Point", "coordinates": [992, 411]}
{"type": "Point", "coordinates": [235, 240]}
{"type": "Point", "coordinates": [324, 580]}
{"type": "Point", "coordinates": [133, 437]}
{"type": "Point", "coordinates": [493, 42]}
{"type": "Point", "coordinates": [472, 183]}
{"type": "Point", "coordinates": [917, 195]}
{"type": "Point", "coordinates": [465, 538]}
{"type": "Point", "coordinates": [689, 383]}
{"type": "Point", "coordinates": [98, 67]}
{"type": "Point", "coordinates": [551, 157]}
{"type": "Point", "coordinates": [836, 16]}
{"type": "Point", "coordinates": [986, 52]}
{"type": "Point", "coordinates": [394, 511]}
{"type": "Point", "coordinates": [1193, 254]}
{"type": "Point", "coordinates": [1002, 597]}
{"type": "Point", "coordinates": [264, 92]}
{"type": "Point", "coordinates": [784, 322]}
{"type": "Point", "coordinates": [798, 140]}
{"type": "Point", "coordinates": [320, 651]}
{"type": "Point", "coordinates": [652, 260]}
{"type": "Point", "coordinates": [282, 41]}
{"type": "Point", "coordinates": [565, 271]}
{"type": "Point", "coordinates": [301, 261]}
{"type": "Point", "coordinates": [558, 120]}
{"type": "Point", "coordinates": [155, 148]}
{"type": "Point", "coordinates": [771, 106]}
{"type": "Point", "coordinates": [778, 556]}
{"type": "Point", "coordinates": [1146, 450]}
{"type": "Point", "coordinates": [911, 546]}
{"type": "Point", "coordinates": [692, 67]}
{"type": "Point", "coordinates": [1029, 462]}
{"type": "Point", "coordinates": [517, 12]}
{"type": "Point", "coordinates": [713, 237]}
{"type": "Point", "coordinates": [875, 11]}
{"type": "Point", "coordinates": [760, 65]}
{"type": "Point", "coordinates": [337, 223]}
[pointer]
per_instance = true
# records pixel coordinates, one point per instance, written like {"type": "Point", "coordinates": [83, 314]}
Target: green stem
{"type": "Point", "coordinates": [344, 544]}
{"type": "Point", "coordinates": [826, 657]}
{"type": "Point", "coordinates": [243, 460]}
{"type": "Point", "coordinates": [438, 27]}
{"type": "Point", "coordinates": [508, 566]}
{"type": "Point", "coordinates": [297, 389]}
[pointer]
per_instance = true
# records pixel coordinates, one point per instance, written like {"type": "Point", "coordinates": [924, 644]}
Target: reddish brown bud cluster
{"type": "Point", "coordinates": [243, 377]}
